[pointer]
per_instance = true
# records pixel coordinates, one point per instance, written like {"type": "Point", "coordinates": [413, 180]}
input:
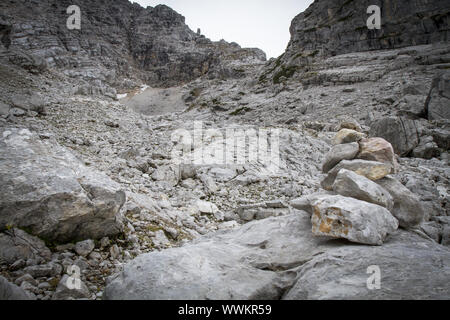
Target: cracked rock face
{"type": "Point", "coordinates": [335, 27]}
{"type": "Point", "coordinates": [18, 245]}
{"type": "Point", "coordinates": [48, 192]}
{"type": "Point", "coordinates": [342, 274]}
{"type": "Point", "coordinates": [438, 100]}
{"type": "Point", "coordinates": [400, 132]}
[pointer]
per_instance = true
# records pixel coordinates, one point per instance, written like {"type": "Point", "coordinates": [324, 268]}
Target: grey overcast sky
{"type": "Point", "coordinates": [262, 24]}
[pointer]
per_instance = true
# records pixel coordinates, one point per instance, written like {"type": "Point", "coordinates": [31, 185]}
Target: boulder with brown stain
{"type": "Point", "coordinates": [351, 219]}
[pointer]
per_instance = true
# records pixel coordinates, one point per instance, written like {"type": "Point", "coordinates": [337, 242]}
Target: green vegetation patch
{"type": "Point", "coordinates": [286, 72]}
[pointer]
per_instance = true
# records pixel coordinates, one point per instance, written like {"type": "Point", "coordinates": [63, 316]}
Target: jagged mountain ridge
{"type": "Point", "coordinates": [119, 44]}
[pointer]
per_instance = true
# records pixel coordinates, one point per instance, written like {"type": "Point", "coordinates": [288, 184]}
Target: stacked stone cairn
{"type": "Point", "coordinates": [363, 202]}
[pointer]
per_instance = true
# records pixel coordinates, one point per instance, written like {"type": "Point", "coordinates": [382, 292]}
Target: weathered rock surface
{"type": "Point", "coordinates": [403, 260]}
{"type": "Point", "coordinates": [351, 219]}
{"type": "Point", "coordinates": [338, 153]}
{"type": "Point", "coordinates": [84, 248]}
{"type": "Point", "coordinates": [337, 27]}
{"type": "Point", "coordinates": [247, 263]}
{"type": "Point", "coordinates": [50, 193]}
{"type": "Point", "coordinates": [407, 206]}
{"type": "Point", "coordinates": [427, 149]}
{"type": "Point", "coordinates": [351, 184]}
{"type": "Point", "coordinates": [438, 101]}
{"type": "Point", "coordinates": [402, 133]}
{"type": "Point", "coordinates": [9, 291]}
{"type": "Point", "coordinates": [17, 245]}
{"type": "Point", "coordinates": [53, 82]}
{"type": "Point", "coordinates": [118, 46]}
{"type": "Point", "coordinates": [372, 170]}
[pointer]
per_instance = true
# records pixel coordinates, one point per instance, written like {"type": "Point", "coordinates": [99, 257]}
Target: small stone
{"type": "Point", "coordinates": [95, 256]}
{"type": "Point", "coordinates": [209, 183]}
{"type": "Point", "coordinates": [16, 112]}
{"type": "Point", "coordinates": [26, 277]}
{"type": "Point", "coordinates": [348, 136]}
{"type": "Point", "coordinates": [114, 251]}
{"type": "Point", "coordinates": [44, 286]}
{"type": "Point", "coordinates": [160, 239]}
{"type": "Point", "coordinates": [84, 248]}
{"type": "Point", "coordinates": [206, 207]}
{"type": "Point", "coordinates": [104, 242]}
{"type": "Point", "coordinates": [350, 124]}
{"type": "Point", "coordinates": [28, 287]}
{"type": "Point", "coordinates": [338, 153]}
{"type": "Point", "coordinates": [19, 264]}
{"type": "Point", "coordinates": [172, 232]}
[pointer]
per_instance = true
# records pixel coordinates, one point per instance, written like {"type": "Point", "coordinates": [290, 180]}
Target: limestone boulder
{"type": "Point", "coordinates": [347, 136]}
{"type": "Point", "coordinates": [338, 153]}
{"type": "Point", "coordinates": [47, 191]}
{"type": "Point", "coordinates": [402, 133]}
{"type": "Point", "coordinates": [377, 149]}
{"type": "Point", "coordinates": [372, 170]}
{"type": "Point", "coordinates": [351, 184]}
{"type": "Point", "coordinates": [407, 206]}
{"type": "Point", "coordinates": [352, 219]}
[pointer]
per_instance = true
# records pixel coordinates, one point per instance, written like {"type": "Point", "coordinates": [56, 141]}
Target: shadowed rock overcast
{"type": "Point", "coordinates": [161, 164]}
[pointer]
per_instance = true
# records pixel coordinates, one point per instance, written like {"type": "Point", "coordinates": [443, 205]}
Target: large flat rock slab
{"type": "Point", "coordinates": [247, 263]}
{"type": "Point", "coordinates": [410, 269]}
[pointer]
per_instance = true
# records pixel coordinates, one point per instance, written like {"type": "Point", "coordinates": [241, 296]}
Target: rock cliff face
{"type": "Point", "coordinates": [119, 44]}
{"type": "Point", "coordinates": [332, 27]}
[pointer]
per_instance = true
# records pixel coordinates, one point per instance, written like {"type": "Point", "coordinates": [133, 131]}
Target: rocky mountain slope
{"type": "Point", "coordinates": [120, 45]}
{"type": "Point", "coordinates": [93, 188]}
